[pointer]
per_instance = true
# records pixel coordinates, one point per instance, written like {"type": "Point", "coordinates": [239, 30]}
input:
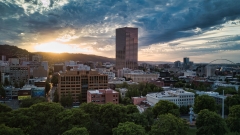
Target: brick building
{"type": "Point", "coordinates": [103, 96]}
{"type": "Point", "coordinates": [79, 82]}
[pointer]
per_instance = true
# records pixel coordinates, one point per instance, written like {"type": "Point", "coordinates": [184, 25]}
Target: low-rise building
{"type": "Point", "coordinates": [140, 76]}
{"type": "Point", "coordinates": [177, 96]}
{"type": "Point", "coordinates": [102, 96]}
{"type": "Point", "coordinates": [138, 100]}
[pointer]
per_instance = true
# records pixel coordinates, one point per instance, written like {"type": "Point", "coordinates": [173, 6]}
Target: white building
{"type": "Point", "coordinates": [218, 98]}
{"type": "Point", "coordinates": [111, 75]}
{"type": "Point", "coordinates": [190, 73]}
{"type": "Point", "coordinates": [177, 96]}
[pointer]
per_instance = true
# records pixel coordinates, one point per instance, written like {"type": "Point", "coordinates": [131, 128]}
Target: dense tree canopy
{"type": "Point", "coordinates": [128, 128]}
{"type": "Point", "coordinates": [4, 108]}
{"type": "Point", "coordinates": [210, 123]}
{"type": "Point", "coordinates": [76, 131]}
{"type": "Point", "coordinates": [56, 96]}
{"type": "Point", "coordinates": [4, 130]}
{"type": "Point", "coordinates": [227, 90]}
{"type": "Point", "coordinates": [31, 101]}
{"type": "Point", "coordinates": [168, 124]}
{"type": "Point", "coordinates": [165, 107]}
{"type": "Point", "coordinates": [2, 91]}
{"type": "Point", "coordinates": [111, 115]}
{"type": "Point", "coordinates": [233, 119]}
{"type": "Point", "coordinates": [70, 118]}
{"type": "Point", "coordinates": [47, 87]}
{"type": "Point", "coordinates": [66, 100]}
{"type": "Point", "coordinates": [231, 101]}
{"type": "Point", "coordinates": [204, 102]}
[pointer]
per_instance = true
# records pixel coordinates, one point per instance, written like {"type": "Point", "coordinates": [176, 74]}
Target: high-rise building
{"type": "Point", "coordinates": [78, 83]}
{"type": "Point", "coordinates": [127, 48]}
{"type": "Point", "coordinates": [185, 60]}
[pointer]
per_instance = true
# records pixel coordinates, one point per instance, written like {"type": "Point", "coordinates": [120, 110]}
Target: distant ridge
{"type": "Point", "coordinates": [13, 51]}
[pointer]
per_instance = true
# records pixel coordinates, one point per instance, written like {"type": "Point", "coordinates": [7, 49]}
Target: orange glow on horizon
{"type": "Point", "coordinates": [56, 47]}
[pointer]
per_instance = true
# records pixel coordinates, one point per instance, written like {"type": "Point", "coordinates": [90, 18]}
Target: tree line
{"type": "Point", "coordinates": [116, 119]}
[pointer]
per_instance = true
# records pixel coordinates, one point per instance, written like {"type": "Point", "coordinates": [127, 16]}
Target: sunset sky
{"type": "Point", "coordinates": [169, 30]}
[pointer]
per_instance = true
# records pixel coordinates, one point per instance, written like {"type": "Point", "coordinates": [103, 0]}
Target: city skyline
{"type": "Point", "coordinates": [168, 30]}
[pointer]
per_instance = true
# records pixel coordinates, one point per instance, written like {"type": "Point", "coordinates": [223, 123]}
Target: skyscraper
{"type": "Point", "coordinates": [127, 48]}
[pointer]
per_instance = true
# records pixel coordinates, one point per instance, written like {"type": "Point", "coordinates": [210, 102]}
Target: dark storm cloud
{"type": "Point", "coordinates": [158, 21]}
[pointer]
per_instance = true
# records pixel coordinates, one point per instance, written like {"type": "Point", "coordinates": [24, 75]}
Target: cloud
{"type": "Point", "coordinates": [93, 22]}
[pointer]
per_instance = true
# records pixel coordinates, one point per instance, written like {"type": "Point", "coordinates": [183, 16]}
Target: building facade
{"type": "Point", "coordinates": [103, 96]}
{"type": "Point", "coordinates": [178, 96]}
{"type": "Point", "coordinates": [79, 82]}
{"type": "Point", "coordinates": [141, 77]}
{"type": "Point", "coordinates": [127, 48]}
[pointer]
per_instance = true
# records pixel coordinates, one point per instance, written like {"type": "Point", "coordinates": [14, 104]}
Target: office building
{"type": "Point", "coordinates": [177, 96]}
{"type": "Point", "coordinates": [185, 60]}
{"type": "Point", "coordinates": [103, 96]}
{"type": "Point", "coordinates": [19, 74]}
{"type": "Point", "coordinates": [79, 82]}
{"type": "Point", "coordinates": [127, 48]}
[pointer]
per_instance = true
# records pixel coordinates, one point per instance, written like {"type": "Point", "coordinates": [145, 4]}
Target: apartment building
{"type": "Point", "coordinates": [19, 74]}
{"type": "Point", "coordinates": [177, 96]}
{"type": "Point", "coordinates": [79, 82]}
{"type": "Point", "coordinates": [103, 96]}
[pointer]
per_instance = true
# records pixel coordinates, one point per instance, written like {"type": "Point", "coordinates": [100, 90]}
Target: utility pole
{"type": "Point", "coordinates": [223, 105]}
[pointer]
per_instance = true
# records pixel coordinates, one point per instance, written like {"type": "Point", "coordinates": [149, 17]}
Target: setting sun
{"type": "Point", "coordinates": [57, 47]}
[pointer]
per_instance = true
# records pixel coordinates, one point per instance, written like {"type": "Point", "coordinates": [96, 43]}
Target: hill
{"type": "Point", "coordinates": [13, 51]}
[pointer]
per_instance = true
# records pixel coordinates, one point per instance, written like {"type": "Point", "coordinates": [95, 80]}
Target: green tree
{"type": "Point", "coordinates": [204, 102]}
{"type": "Point", "coordinates": [66, 101]}
{"type": "Point", "coordinates": [128, 128]}
{"type": "Point", "coordinates": [131, 109]}
{"type": "Point", "coordinates": [56, 96]}
{"type": "Point", "coordinates": [6, 82]}
{"type": "Point", "coordinates": [227, 90]}
{"type": "Point", "coordinates": [47, 87]}
{"type": "Point", "coordinates": [76, 131]}
{"type": "Point", "coordinates": [31, 101]}
{"type": "Point", "coordinates": [4, 108]}
{"type": "Point", "coordinates": [210, 123]}
{"type": "Point", "coordinates": [231, 101]}
{"type": "Point", "coordinates": [93, 110]}
{"type": "Point", "coordinates": [233, 119]}
{"type": "Point", "coordinates": [184, 110]}
{"type": "Point", "coordinates": [139, 119]}
{"type": "Point", "coordinates": [71, 118]}
{"type": "Point", "coordinates": [20, 118]}
{"type": "Point", "coordinates": [54, 80]}
{"type": "Point", "coordinates": [168, 124]}
{"type": "Point", "coordinates": [4, 130]}
{"type": "Point", "coordinates": [44, 116]}
{"type": "Point", "coordinates": [148, 114]}
{"type": "Point", "coordinates": [16, 85]}
{"type": "Point", "coordinates": [2, 92]}
{"type": "Point", "coordinates": [165, 107]}
{"type": "Point", "coordinates": [126, 101]}
{"type": "Point", "coordinates": [21, 84]}
{"type": "Point", "coordinates": [111, 115]}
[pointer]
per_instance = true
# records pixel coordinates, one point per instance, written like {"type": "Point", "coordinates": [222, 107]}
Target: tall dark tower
{"type": "Point", "coordinates": [127, 48]}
